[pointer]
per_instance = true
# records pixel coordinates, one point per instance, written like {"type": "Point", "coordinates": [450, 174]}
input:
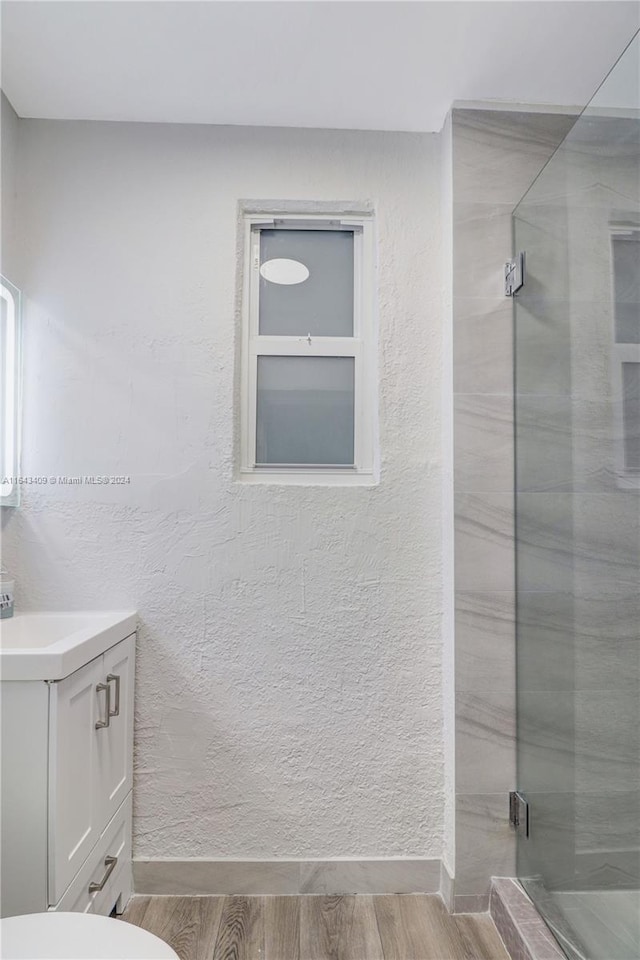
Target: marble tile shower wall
{"type": "Point", "coordinates": [496, 156]}
{"type": "Point", "coordinates": [578, 570]}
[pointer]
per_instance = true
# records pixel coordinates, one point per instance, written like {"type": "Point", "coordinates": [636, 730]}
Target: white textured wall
{"type": "Point", "coordinates": [289, 662]}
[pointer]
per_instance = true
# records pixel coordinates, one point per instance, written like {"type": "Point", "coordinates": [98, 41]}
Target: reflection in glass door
{"type": "Point", "coordinates": [577, 412]}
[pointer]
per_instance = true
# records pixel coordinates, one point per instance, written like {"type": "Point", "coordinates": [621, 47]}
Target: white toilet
{"type": "Point", "coordinates": [78, 936]}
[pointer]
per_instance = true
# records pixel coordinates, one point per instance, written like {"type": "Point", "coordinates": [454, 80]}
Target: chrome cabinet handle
{"type": "Point", "coordinates": [110, 864]}
{"type": "Point", "coordinates": [116, 710]}
{"type": "Point", "coordinates": [107, 689]}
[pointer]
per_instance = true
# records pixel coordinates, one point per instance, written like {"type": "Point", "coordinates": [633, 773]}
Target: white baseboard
{"type": "Point", "coordinates": [285, 877]}
{"type": "Point", "coordinates": [446, 887]}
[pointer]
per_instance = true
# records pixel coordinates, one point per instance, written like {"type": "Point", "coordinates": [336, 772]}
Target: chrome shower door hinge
{"type": "Point", "coordinates": [519, 813]}
{"type": "Point", "coordinates": [514, 274]}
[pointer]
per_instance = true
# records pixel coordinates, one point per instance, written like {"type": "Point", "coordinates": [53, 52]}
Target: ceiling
{"type": "Point", "coordinates": [338, 63]}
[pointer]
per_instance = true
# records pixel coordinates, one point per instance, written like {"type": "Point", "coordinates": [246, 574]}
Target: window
{"type": "Point", "coordinates": [308, 351]}
{"type": "Point", "coordinates": [626, 352]}
{"type": "Point", "coordinates": [9, 392]}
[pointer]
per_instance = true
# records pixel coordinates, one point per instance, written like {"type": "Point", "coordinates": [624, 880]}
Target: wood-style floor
{"type": "Point", "coordinates": [415, 927]}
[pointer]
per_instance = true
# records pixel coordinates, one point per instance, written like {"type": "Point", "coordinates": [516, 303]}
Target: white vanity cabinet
{"type": "Point", "coordinates": [90, 758]}
{"type": "Point", "coordinates": [66, 788]}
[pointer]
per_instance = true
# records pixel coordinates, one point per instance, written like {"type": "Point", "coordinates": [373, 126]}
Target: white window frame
{"type": "Point", "coordinates": [362, 347]}
{"type": "Point", "coordinates": [622, 353]}
{"type": "Point", "coordinates": [10, 400]}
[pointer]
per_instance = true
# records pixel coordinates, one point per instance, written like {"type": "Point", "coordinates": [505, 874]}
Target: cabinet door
{"type": "Point", "coordinates": [76, 705]}
{"type": "Point", "coordinates": [114, 879]}
{"type": "Point", "coordinates": [117, 844]}
{"type": "Point", "coordinates": [115, 749]}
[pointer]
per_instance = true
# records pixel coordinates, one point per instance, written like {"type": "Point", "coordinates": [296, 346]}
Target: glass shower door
{"type": "Point", "coordinates": [577, 414]}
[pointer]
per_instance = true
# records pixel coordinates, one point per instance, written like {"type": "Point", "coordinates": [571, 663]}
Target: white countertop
{"type": "Point", "coordinates": [50, 646]}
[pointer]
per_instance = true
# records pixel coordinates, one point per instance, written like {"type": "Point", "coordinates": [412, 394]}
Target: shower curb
{"type": "Point", "coordinates": [524, 932]}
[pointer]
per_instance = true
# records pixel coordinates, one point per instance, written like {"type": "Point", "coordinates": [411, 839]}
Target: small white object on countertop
{"type": "Point", "coordinates": [7, 588]}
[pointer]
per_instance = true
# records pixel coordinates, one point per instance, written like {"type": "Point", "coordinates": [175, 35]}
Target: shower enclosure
{"type": "Point", "coordinates": [577, 413]}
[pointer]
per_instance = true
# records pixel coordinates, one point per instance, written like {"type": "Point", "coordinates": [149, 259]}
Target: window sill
{"type": "Point", "coordinates": [628, 481]}
{"type": "Point", "coordinates": [309, 478]}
